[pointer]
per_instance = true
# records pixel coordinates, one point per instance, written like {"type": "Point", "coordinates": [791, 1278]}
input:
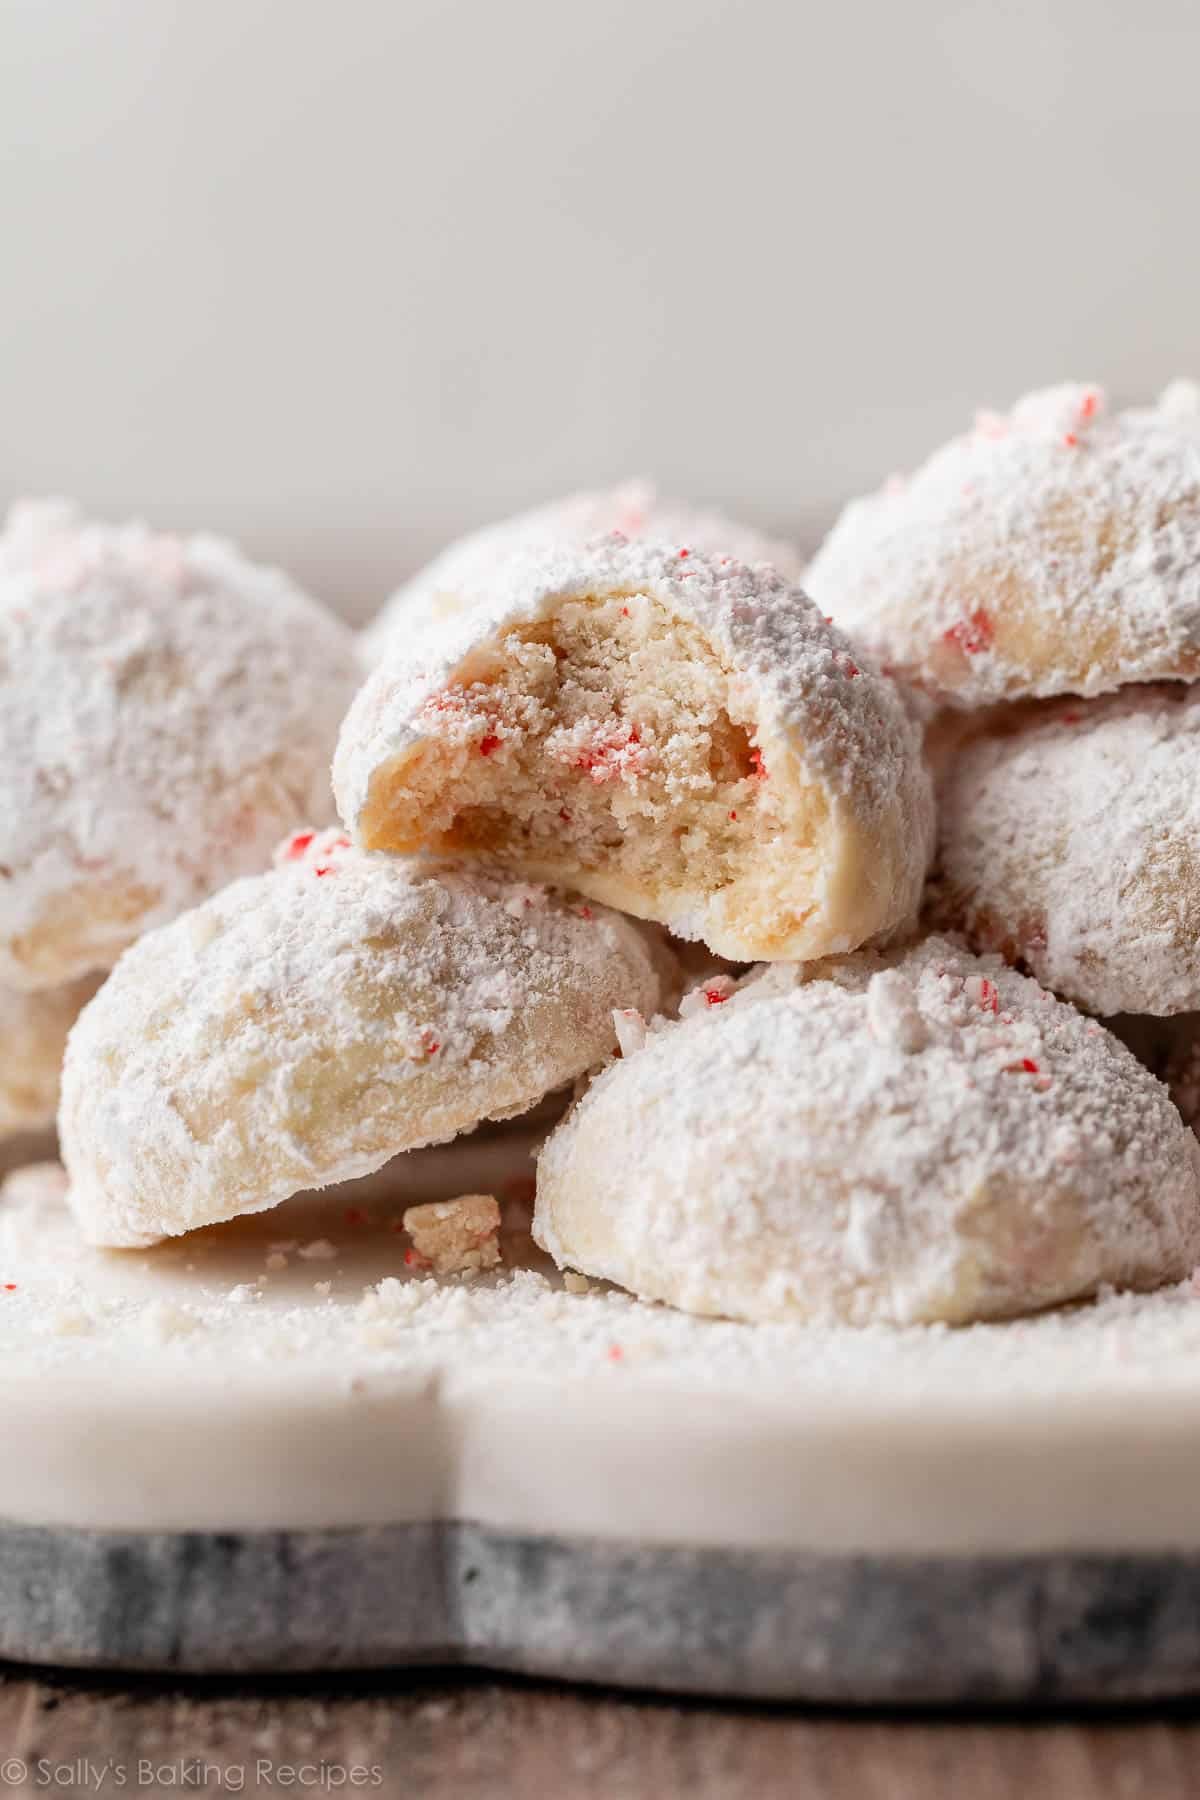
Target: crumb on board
{"type": "Point", "coordinates": [456, 1236]}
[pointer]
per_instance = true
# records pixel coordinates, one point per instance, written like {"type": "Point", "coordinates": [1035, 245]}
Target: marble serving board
{"type": "Point", "coordinates": [273, 1446]}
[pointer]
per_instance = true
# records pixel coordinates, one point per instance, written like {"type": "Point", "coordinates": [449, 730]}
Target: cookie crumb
{"type": "Point", "coordinates": [456, 1235]}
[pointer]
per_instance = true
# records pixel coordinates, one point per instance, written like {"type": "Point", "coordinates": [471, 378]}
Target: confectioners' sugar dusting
{"type": "Point", "coordinates": [1052, 550]}
{"type": "Point", "coordinates": [166, 709]}
{"type": "Point", "coordinates": [303, 1026]}
{"type": "Point", "coordinates": [682, 736]}
{"type": "Point", "coordinates": [1069, 843]}
{"type": "Point", "coordinates": [33, 1035]}
{"type": "Point", "coordinates": [635, 509]}
{"type": "Point", "coordinates": [921, 1136]}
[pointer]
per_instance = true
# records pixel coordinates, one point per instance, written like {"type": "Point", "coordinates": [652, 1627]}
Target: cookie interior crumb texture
{"type": "Point", "coordinates": [609, 741]}
{"type": "Point", "coordinates": [457, 1236]}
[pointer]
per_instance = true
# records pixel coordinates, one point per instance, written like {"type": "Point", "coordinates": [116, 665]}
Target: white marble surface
{"type": "Point", "coordinates": [214, 1383]}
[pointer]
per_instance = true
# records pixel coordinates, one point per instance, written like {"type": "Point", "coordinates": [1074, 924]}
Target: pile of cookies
{"type": "Point", "coordinates": [622, 807]}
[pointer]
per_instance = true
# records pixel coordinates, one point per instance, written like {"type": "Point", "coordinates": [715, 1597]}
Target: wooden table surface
{"type": "Point", "coordinates": [446, 1736]}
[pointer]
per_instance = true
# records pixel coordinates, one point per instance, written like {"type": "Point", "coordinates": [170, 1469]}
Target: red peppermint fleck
{"type": "Point", "coordinates": [684, 553]}
{"type": "Point", "coordinates": [324, 869]}
{"type": "Point", "coordinates": [972, 634]}
{"type": "Point", "coordinates": [989, 996]}
{"type": "Point", "coordinates": [624, 612]}
{"type": "Point", "coordinates": [585, 912]}
{"type": "Point", "coordinates": [715, 997]}
{"type": "Point", "coordinates": [1070, 440]}
{"type": "Point", "coordinates": [852, 669]}
{"type": "Point", "coordinates": [10, 1287]}
{"type": "Point", "coordinates": [613, 755]}
{"type": "Point", "coordinates": [429, 1043]}
{"type": "Point", "coordinates": [615, 1353]}
{"type": "Point", "coordinates": [297, 844]}
{"type": "Point", "coordinates": [1026, 1066]}
{"type": "Point", "coordinates": [1069, 718]}
{"type": "Point", "coordinates": [757, 764]}
{"type": "Point", "coordinates": [733, 815]}
{"type": "Point", "coordinates": [564, 815]}
{"type": "Point", "coordinates": [488, 744]}
{"type": "Point", "coordinates": [1088, 405]}
{"type": "Point", "coordinates": [414, 1260]}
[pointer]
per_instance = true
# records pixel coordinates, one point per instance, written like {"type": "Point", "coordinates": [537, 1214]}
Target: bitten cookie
{"type": "Point", "coordinates": [1054, 550]}
{"type": "Point", "coordinates": [1070, 842]}
{"type": "Point", "coordinates": [303, 1026]}
{"type": "Point", "coordinates": [166, 710]}
{"type": "Point", "coordinates": [33, 1035]}
{"type": "Point", "coordinates": [915, 1138]}
{"type": "Point", "coordinates": [681, 737]}
{"type": "Point", "coordinates": [635, 509]}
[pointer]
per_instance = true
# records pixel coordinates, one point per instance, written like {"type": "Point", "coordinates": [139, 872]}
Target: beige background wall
{"type": "Point", "coordinates": [343, 276]}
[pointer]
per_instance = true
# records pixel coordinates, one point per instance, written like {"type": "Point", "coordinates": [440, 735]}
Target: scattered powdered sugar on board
{"type": "Point", "coordinates": [1055, 549]}
{"type": "Point", "coordinates": [203, 1304]}
{"type": "Point", "coordinates": [167, 709]}
{"type": "Point", "coordinates": [920, 1136]}
{"type": "Point", "coordinates": [1069, 843]}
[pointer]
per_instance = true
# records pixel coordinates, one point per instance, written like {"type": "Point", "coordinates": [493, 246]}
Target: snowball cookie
{"type": "Point", "coordinates": [33, 1035]}
{"type": "Point", "coordinates": [303, 1026]}
{"type": "Point", "coordinates": [1052, 551]}
{"type": "Point", "coordinates": [682, 737]}
{"type": "Point", "coordinates": [919, 1137]}
{"type": "Point", "coordinates": [1070, 842]}
{"type": "Point", "coordinates": [635, 509]}
{"type": "Point", "coordinates": [167, 710]}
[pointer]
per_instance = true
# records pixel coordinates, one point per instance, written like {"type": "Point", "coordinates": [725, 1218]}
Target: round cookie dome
{"type": "Point", "coordinates": [303, 1026]}
{"type": "Point", "coordinates": [635, 509]}
{"type": "Point", "coordinates": [1055, 550]}
{"type": "Point", "coordinates": [33, 1036]}
{"type": "Point", "coordinates": [685, 738]}
{"type": "Point", "coordinates": [921, 1137]}
{"type": "Point", "coordinates": [1070, 842]}
{"type": "Point", "coordinates": [166, 710]}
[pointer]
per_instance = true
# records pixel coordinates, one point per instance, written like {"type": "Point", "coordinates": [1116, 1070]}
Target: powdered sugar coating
{"type": "Point", "coordinates": [1054, 550]}
{"type": "Point", "coordinates": [926, 1136]}
{"type": "Point", "coordinates": [1069, 839]}
{"type": "Point", "coordinates": [821, 721]}
{"type": "Point", "coordinates": [301, 1027]}
{"type": "Point", "coordinates": [166, 710]}
{"type": "Point", "coordinates": [634, 508]}
{"type": "Point", "coordinates": [33, 1035]}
